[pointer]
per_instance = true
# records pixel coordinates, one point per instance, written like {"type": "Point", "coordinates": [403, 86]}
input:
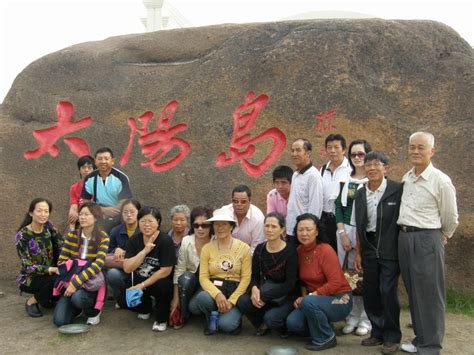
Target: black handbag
{"type": "Point", "coordinates": [227, 287]}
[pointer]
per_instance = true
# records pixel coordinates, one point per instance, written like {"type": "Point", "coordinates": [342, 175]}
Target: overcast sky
{"type": "Point", "coordinates": [34, 28]}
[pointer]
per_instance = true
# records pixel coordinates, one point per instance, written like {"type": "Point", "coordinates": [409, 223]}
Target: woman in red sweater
{"type": "Point", "coordinates": [326, 295]}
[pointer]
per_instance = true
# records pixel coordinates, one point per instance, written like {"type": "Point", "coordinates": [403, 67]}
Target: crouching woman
{"type": "Point", "coordinates": [80, 279]}
{"type": "Point", "coordinates": [326, 295]}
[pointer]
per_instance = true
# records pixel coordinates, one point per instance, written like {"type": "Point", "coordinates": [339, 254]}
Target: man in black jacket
{"type": "Point", "coordinates": [376, 212]}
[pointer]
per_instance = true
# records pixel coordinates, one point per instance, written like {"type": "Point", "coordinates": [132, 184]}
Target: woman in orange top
{"type": "Point", "coordinates": [326, 295]}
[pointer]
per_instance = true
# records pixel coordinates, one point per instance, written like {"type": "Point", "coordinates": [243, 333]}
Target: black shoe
{"type": "Point", "coordinates": [207, 331]}
{"type": "Point", "coordinates": [284, 334]}
{"type": "Point", "coordinates": [33, 310]}
{"type": "Point", "coordinates": [262, 330]}
{"type": "Point", "coordinates": [314, 347]}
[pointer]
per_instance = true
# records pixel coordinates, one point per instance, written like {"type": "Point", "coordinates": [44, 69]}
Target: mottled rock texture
{"type": "Point", "coordinates": [386, 79]}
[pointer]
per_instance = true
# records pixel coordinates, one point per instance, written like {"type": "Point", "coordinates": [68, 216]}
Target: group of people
{"type": "Point", "coordinates": [283, 270]}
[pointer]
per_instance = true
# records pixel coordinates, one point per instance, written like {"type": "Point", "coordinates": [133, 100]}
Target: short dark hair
{"type": "Point", "coordinates": [242, 188]}
{"type": "Point", "coordinates": [380, 156]}
{"type": "Point", "coordinates": [306, 144]}
{"type": "Point", "coordinates": [279, 217]}
{"type": "Point", "coordinates": [85, 159]}
{"type": "Point", "coordinates": [104, 150]}
{"type": "Point", "coordinates": [146, 210]}
{"type": "Point", "coordinates": [335, 137]}
{"type": "Point", "coordinates": [282, 172]}
{"type": "Point", "coordinates": [200, 211]}
{"type": "Point", "coordinates": [367, 149]}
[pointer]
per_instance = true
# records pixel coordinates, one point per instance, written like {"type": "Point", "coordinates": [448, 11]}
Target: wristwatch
{"type": "Point", "coordinates": [340, 232]}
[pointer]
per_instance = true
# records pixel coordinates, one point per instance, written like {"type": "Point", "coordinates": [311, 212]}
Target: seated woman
{"type": "Point", "coordinates": [224, 274]}
{"type": "Point", "coordinates": [80, 266]}
{"type": "Point", "coordinates": [185, 280]}
{"type": "Point", "coordinates": [179, 225]}
{"type": "Point", "coordinates": [38, 245]}
{"type": "Point", "coordinates": [150, 258]}
{"type": "Point", "coordinates": [274, 275]}
{"type": "Point", "coordinates": [346, 232]}
{"type": "Point", "coordinates": [326, 295]}
{"type": "Point", "coordinates": [119, 236]}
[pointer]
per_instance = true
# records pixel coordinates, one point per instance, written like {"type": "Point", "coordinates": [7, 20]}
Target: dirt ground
{"type": "Point", "coordinates": [121, 332]}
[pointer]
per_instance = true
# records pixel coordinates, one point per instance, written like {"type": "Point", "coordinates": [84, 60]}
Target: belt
{"type": "Point", "coordinates": [328, 214]}
{"type": "Point", "coordinates": [411, 229]}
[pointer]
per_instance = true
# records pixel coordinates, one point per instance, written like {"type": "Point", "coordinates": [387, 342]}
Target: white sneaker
{"type": "Point", "coordinates": [159, 327]}
{"type": "Point", "coordinates": [94, 320]}
{"type": "Point", "coordinates": [409, 348]}
{"type": "Point", "coordinates": [361, 331]}
{"type": "Point", "coordinates": [144, 316]}
{"type": "Point", "coordinates": [117, 306]}
{"type": "Point", "coordinates": [348, 329]}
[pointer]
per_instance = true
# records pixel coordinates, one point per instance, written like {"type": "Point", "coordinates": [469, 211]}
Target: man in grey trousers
{"type": "Point", "coordinates": [428, 217]}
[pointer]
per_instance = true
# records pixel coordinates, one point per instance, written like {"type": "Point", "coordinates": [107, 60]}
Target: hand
{"type": "Point", "coordinates": [223, 305]}
{"type": "Point", "coordinates": [297, 302]}
{"type": "Point", "coordinates": [110, 211]}
{"type": "Point", "coordinates": [69, 291]}
{"type": "Point", "coordinates": [255, 298]}
{"type": "Point", "coordinates": [53, 270]}
{"type": "Point", "coordinates": [445, 239]}
{"type": "Point", "coordinates": [358, 263]}
{"type": "Point", "coordinates": [140, 286]}
{"type": "Point", "coordinates": [72, 217]}
{"type": "Point", "coordinates": [174, 304]}
{"type": "Point", "coordinates": [119, 254]}
{"type": "Point", "coordinates": [346, 242]}
{"type": "Point", "coordinates": [148, 247]}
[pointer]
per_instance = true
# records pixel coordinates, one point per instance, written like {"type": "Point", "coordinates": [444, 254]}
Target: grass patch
{"type": "Point", "coordinates": [459, 302]}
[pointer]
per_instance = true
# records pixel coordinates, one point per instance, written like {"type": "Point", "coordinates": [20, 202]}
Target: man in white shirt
{"type": "Point", "coordinates": [306, 194]}
{"type": "Point", "coordinates": [336, 170]}
{"type": "Point", "coordinates": [249, 217]}
{"type": "Point", "coordinates": [428, 217]}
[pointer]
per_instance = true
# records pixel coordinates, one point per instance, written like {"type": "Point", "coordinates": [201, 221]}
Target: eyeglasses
{"type": "Point", "coordinates": [202, 225]}
{"type": "Point", "coordinates": [129, 212]}
{"type": "Point", "coordinates": [359, 155]}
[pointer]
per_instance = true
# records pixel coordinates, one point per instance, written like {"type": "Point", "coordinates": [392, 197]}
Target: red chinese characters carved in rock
{"type": "Point", "coordinates": [325, 121]}
{"type": "Point", "coordinates": [242, 145]}
{"type": "Point", "coordinates": [159, 142]}
{"type": "Point", "coordinates": [47, 137]}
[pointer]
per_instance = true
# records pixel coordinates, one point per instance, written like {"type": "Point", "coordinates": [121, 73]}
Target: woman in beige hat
{"type": "Point", "coordinates": [225, 270]}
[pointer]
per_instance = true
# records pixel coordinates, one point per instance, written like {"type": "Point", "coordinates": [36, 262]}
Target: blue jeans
{"type": "Point", "coordinates": [273, 316]}
{"type": "Point", "coordinates": [228, 322]}
{"type": "Point", "coordinates": [116, 278]}
{"type": "Point", "coordinates": [315, 315]}
{"type": "Point", "coordinates": [68, 308]}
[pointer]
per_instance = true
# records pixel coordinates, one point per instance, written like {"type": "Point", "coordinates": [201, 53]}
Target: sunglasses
{"type": "Point", "coordinates": [359, 155]}
{"type": "Point", "coordinates": [202, 225]}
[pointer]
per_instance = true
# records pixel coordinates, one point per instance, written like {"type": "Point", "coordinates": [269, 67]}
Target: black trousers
{"type": "Point", "coordinates": [328, 222]}
{"type": "Point", "coordinates": [162, 291]}
{"type": "Point", "coordinates": [41, 287]}
{"type": "Point", "coordinates": [381, 298]}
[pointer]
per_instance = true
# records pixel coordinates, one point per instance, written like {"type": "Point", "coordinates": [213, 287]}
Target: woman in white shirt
{"type": "Point", "coordinates": [186, 274]}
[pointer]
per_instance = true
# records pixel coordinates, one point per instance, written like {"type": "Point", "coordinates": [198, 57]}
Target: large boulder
{"type": "Point", "coordinates": [374, 79]}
